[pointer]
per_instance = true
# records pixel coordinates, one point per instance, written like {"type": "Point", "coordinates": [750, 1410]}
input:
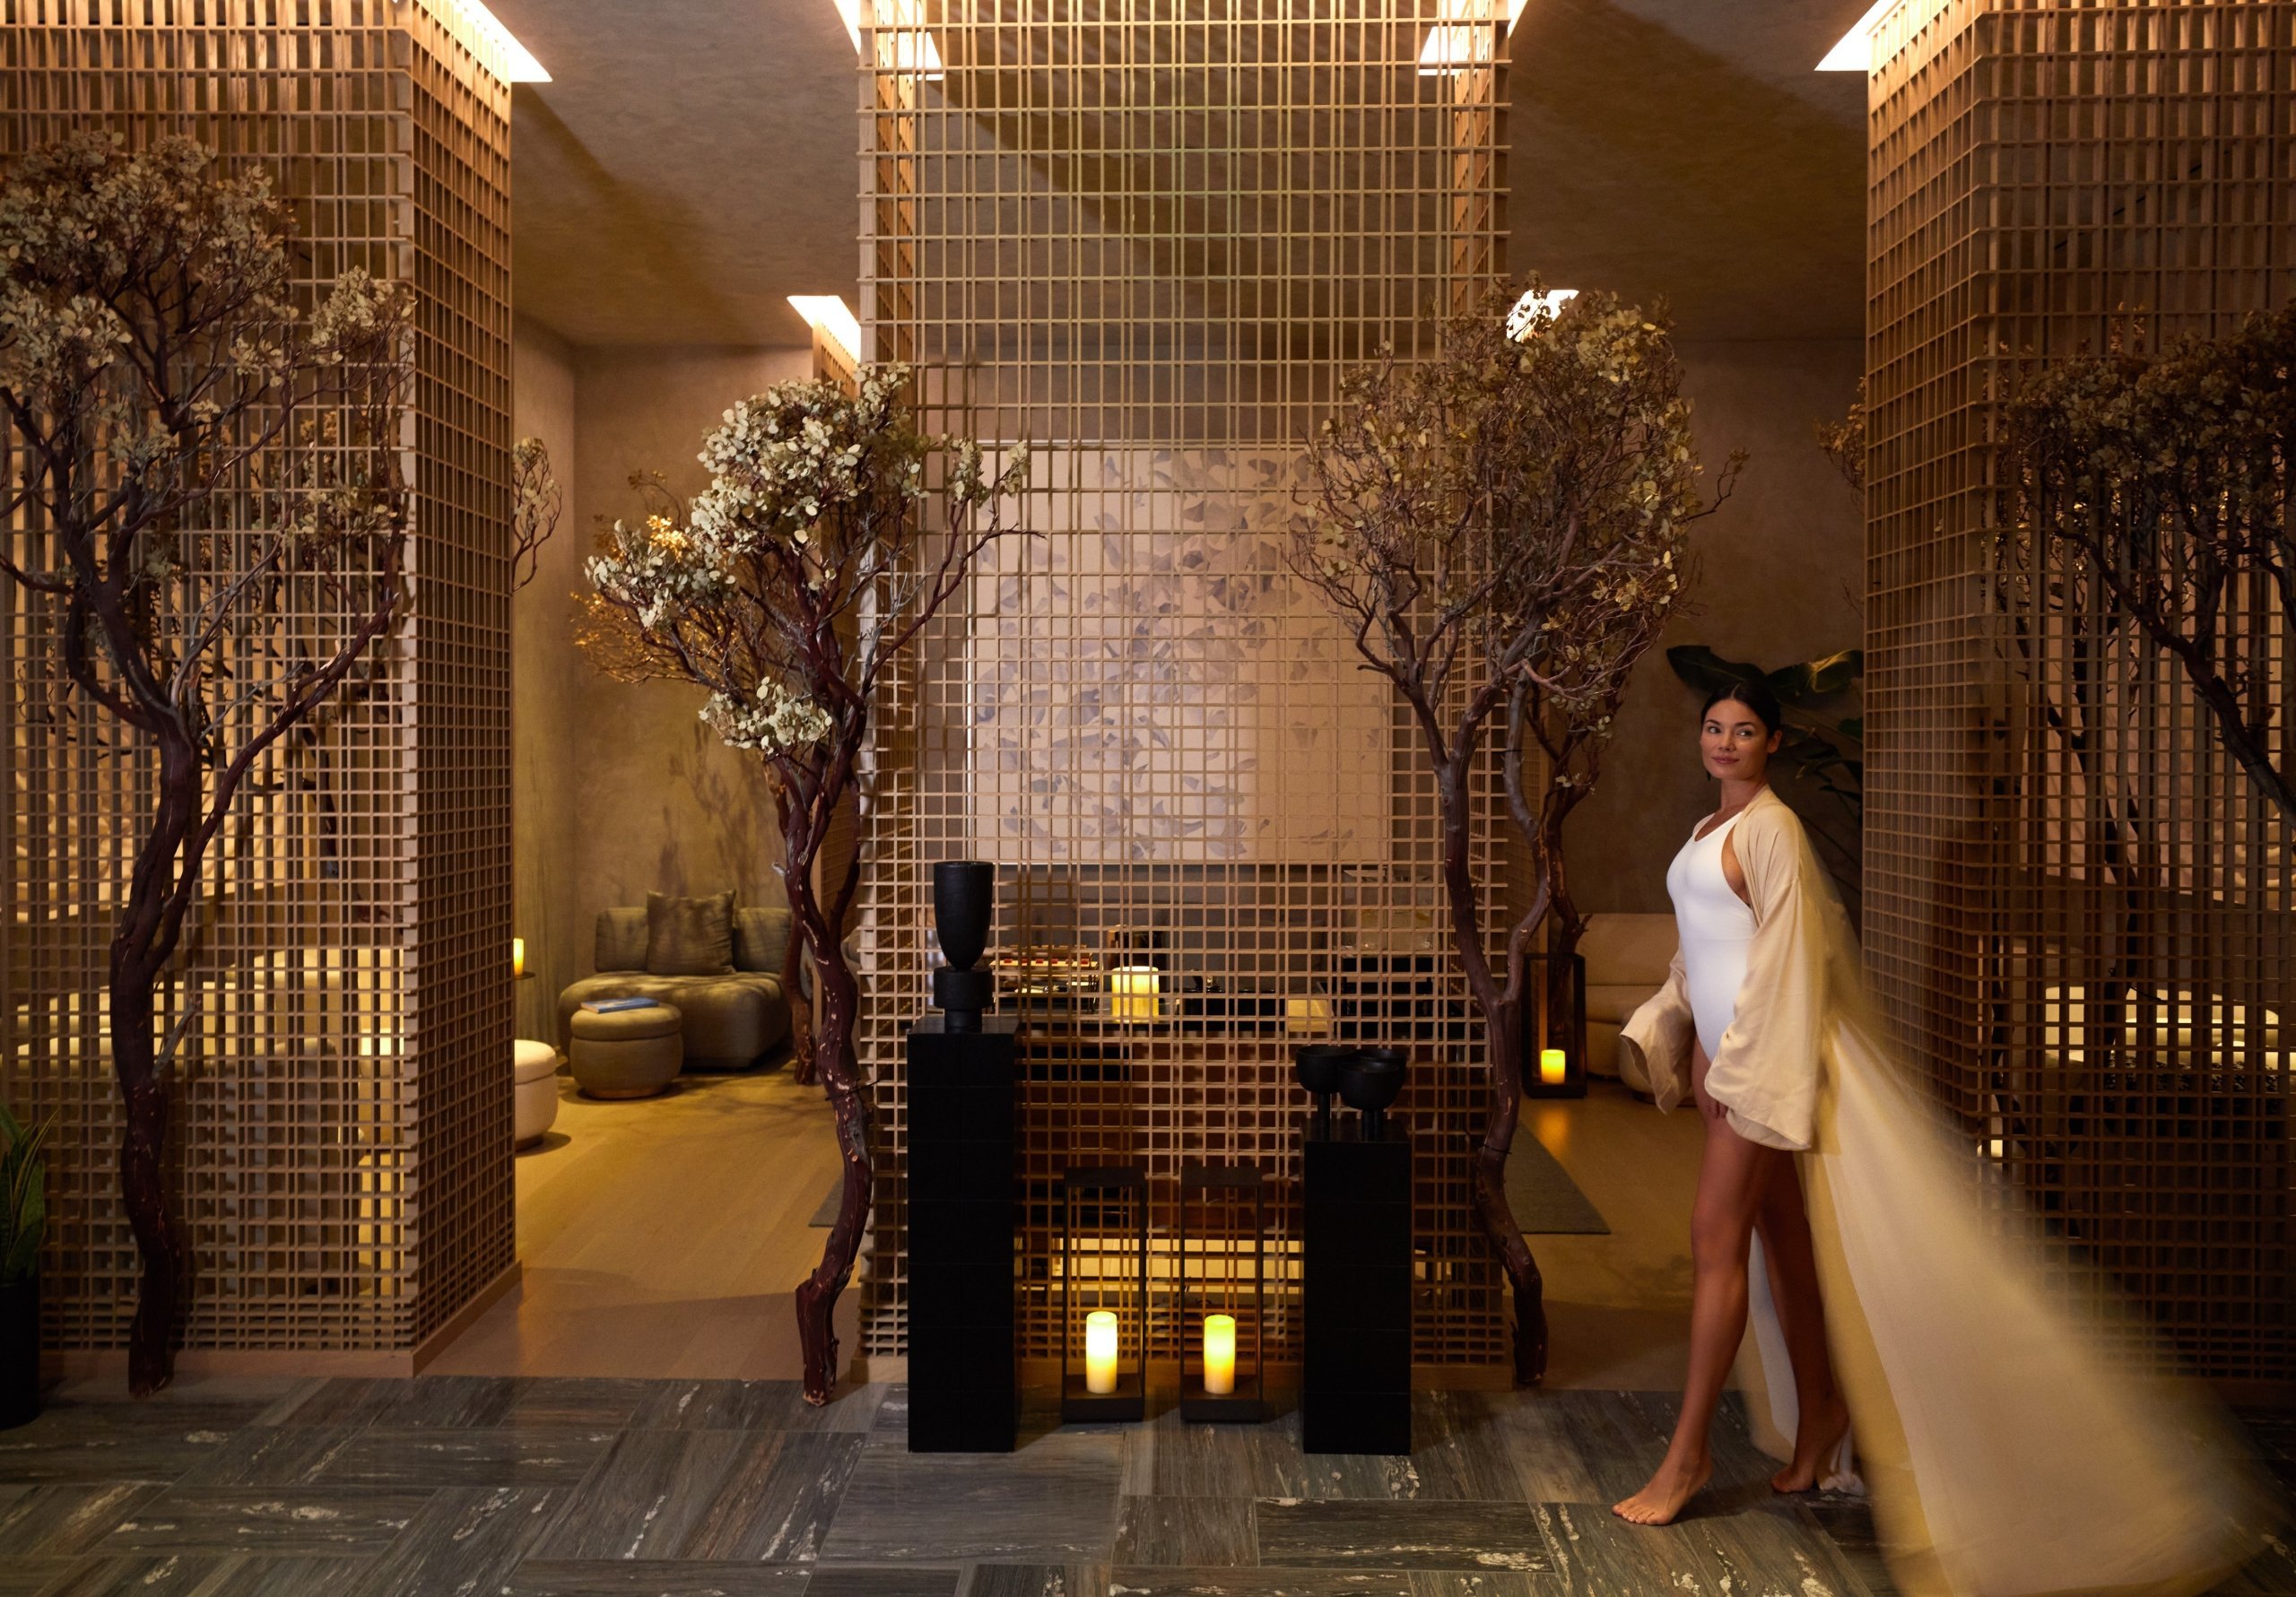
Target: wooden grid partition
{"type": "Point", "coordinates": [1148, 241]}
{"type": "Point", "coordinates": [342, 1127]}
{"type": "Point", "coordinates": [2079, 915]}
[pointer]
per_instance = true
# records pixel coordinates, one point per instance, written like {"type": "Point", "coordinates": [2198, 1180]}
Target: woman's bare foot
{"type": "Point", "coordinates": [1674, 1485]}
{"type": "Point", "coordinates": [1814, 1441]}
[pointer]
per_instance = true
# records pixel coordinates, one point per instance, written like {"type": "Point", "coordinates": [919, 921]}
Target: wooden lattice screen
{"type": "Point", "coordinates": [1148, 240]}
{"type": "Point", "coordinates": [2079, 915]}
{"type": "Point", "coordinates": [343, 1133]}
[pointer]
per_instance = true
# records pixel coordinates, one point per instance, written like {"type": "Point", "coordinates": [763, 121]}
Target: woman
{"type": "Point", "coordinates": [2006, 1455]}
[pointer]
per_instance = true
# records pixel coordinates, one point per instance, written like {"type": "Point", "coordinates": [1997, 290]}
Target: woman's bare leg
{"type": "Point", "coordinates": [1783, 1224]}
{"type": "Point", "coordinates": [1732, 1175]}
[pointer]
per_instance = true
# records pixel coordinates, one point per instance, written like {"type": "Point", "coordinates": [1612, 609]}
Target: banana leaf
{"type": "Point", "coordinates": [23, 1195]}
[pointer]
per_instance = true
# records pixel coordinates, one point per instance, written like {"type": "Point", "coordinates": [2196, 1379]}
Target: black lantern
{"type": "Point", "coordinates": [1554, 1027]}
{"type": "Point", "coordinates": [1104, 1293]}
{"type": "Point", "coordinates": [1224, 1293]}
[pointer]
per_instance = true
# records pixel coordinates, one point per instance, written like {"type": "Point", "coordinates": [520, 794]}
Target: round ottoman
{"type": "Point", "coordinates": [627, 1053]}
{"type": "Point", "coordinates": [533, 1104]}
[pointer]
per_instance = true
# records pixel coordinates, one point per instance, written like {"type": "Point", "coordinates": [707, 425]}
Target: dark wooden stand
{"type": "Point", "coordinates": [1355, 1375]}
{"type": "Point", "coordinates": [963, 1387]}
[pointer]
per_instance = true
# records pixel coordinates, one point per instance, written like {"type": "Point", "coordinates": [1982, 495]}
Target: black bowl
{"type": "Point", "coordinates": [1371, 1080]}
{"type": "Point", "coordinates": [1317, 1065]}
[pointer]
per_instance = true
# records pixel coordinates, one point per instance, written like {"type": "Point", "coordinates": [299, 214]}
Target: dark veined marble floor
{"type": "Point", "coordinates": [525, 1487]}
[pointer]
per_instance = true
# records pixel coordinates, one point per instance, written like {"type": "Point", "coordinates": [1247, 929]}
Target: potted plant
{"type": "Point", "coordinates": [23, 1221]}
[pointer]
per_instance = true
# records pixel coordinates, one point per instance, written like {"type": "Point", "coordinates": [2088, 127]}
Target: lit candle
{"type": "Point", "coordinates": [1551, 1067]}
{"type": "Point", "coordinates": [1100, 1352]}
{"type": "Point", "coordinates": [1219, 1354]}
{"type": "Point", "coordinates": [518, 956]}
{"type": "Point", "coordinates": [1133, 992]}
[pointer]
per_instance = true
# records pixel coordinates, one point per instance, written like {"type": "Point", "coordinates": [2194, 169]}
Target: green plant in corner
{"type": "Point", "coordinates": [1824, 751]}
{"type": "Point", "coordinates": [23, 1195]}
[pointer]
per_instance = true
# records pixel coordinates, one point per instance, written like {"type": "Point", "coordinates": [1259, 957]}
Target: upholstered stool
{"type": "Point", "coordinates": [534, 1070]}
{"type": "Point", "coordinates": [627, 1052]}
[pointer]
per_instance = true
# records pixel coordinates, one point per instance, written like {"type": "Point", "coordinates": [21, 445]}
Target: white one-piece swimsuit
{"type": "Point", "coordinates": [1717, 929]}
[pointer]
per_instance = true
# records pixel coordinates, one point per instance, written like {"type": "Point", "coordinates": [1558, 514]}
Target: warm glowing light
{"type": "Point", "coordinates": [519, 66]}
{"type": "Point", "coordinates": [1100, 1352]}
{"type": "Point", "coordinates": [899, 27]}
{"type": "Point", "coordinates": [1134, 991]}
{"type": "Point", "coordinates": [1554, 1068]}
{"type": "Point", "coordinates": [1467, 37]}
{"type": "Point", "coordinates": [1854, 52]}
{"type": "Point", "coordinates": [1219, 1354]}
{"type": "Point", "coordinates": [1534, 310]}
{"type": "Point", "coordinates": [1307, 1017]}
{"type": "Point", "coordinates": [826, 315]}
{"type": "Point", "coordinates": [518, 956]}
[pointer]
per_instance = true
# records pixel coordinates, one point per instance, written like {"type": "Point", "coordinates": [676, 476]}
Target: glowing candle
{"type": "Point", "coordinates": [1100, 1352]}
{"type": "Point", "coordinates": [1133, 992]}
{"type": "Point", "coordinates": [518, 956]}
{"type": "Point", "coordinates": [1219, 1354]}
{"type": "Point", "coordinates": [1551, 1067]}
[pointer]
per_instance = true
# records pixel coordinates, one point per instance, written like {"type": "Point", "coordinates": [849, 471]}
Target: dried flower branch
{"type": "Point", "coordinates": [1503, 530]}
{"type": "Point", "coordinates": [2165, 483]}
{"type": "Point", "coordinates": [785, 589]}
{"type": "Point", "coordinates": [218, 485]}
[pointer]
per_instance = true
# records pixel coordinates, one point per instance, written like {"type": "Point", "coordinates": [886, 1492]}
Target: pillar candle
{"type": "Point", "coordinates": [1552, 1067]}
{"type": "Point", "coordinates": [1219, 1354]}
{"type": "Point", "coordinates": [518, 956]}
{"type": "Point", "coordinates": [1100, 1352]}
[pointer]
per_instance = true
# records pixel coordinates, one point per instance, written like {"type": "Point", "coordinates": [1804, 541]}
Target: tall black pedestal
{"type": "Point", "coordinates": [963, 1386]}
{"type": "Point", "coordinates": [1355, 1374]}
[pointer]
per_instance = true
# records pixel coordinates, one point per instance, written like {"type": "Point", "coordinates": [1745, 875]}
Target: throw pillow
{"type": "Point", "coordinates": [689, 936]}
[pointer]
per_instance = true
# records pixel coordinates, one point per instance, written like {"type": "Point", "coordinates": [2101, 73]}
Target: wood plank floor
{"type": "Point", "coordinates": [568, 1486]}
{"type": "Point", "coordinates": [663, 1236]}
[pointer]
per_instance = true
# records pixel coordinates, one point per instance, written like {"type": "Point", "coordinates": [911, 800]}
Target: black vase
{"type": "Point", "coordinates": [1317, 1066]}
{"type": "Point", "coordinates": [1369, 1082]}
{"type": "Point", "coordinates": [19, 1351]}
{"type": "Point", "coordinates": [964, 902]}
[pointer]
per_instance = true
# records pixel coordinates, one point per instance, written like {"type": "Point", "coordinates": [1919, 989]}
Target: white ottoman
{"type": "Point", "coordinates": [534, 1069]}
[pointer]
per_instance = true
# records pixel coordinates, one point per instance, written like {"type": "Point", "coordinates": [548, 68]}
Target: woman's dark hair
{"type": "Point", "coordinates": [1756, 697]}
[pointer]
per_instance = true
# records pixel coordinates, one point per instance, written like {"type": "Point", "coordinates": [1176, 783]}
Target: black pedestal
{"type": "Point", "coordinates": [1355, 1374]}
{"type": "Point", "coordinates": [963, 1388]}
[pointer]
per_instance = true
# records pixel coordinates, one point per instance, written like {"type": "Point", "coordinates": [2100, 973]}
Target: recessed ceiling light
{"type": "Point", "coordinates": [899, 27]}
{"type": "Point", "coordinates": [519, 64]}
{"type": "Point", "coordinates": [1467, 36]}
{"type": "Point", "coordinates": [1534, 307]}
{"type": "Point", "coordinates": [826, 315]}
{"type": "Point", "coordinates": [1854, 53]}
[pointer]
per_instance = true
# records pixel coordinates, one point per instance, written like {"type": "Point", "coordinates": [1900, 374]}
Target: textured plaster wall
{"type": "Point", "coordinates": [659, 803]}
{"type": "Point", "coordinates": [1781, 566]}
{"type": "Point", "coordinates": [542, 829]}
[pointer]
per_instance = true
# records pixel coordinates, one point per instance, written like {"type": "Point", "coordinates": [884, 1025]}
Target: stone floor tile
{"type": "Point", "coordinates": [776, 1501]}
{"type": "Point", "coordinates": [1427, 1534]}
{"type": "Point", "coordinates": [1187, 1532]}
{"type": "Point", "coordinates": [645, 1498]}
{"type": "Point", "coordinates": [284, 1522]}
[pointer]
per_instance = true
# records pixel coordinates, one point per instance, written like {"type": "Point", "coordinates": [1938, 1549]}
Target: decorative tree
{"type": "Point", "coordinates": [1503, 530]}
{"type": "Point", "coordinates": [2167, 482]}
{"type": "Point", "coordinates": [785, 589]}
{"type": "Point", "coordinates": [206, 491]}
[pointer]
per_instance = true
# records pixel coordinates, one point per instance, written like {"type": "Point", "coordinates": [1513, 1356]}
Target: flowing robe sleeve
{"type": "Point", "coordinates": [1765, 1071]}
{"type": "Point", "coordinates": [1655, 1042]}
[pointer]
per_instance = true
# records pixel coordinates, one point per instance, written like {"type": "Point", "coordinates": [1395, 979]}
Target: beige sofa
{"type": "Point", "coordinates": [1627, 956]}
{"type": "Point", "coordinates": [731, 1021]}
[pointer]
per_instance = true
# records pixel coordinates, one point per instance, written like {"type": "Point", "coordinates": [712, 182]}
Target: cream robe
{"type": "Point", "coordinates": [2006, 1455]}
